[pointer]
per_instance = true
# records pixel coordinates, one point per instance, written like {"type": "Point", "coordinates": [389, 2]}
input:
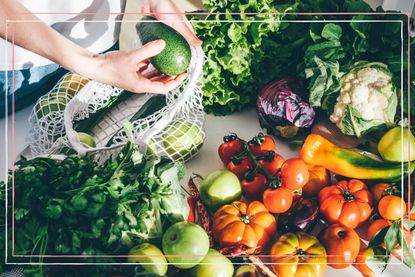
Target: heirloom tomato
{"type": "Point", "coordinates": [347, 202]}
{"type": "Point", "coordinates": [297, 255]}
{"type": "Point", "coordinates": [245, 224]}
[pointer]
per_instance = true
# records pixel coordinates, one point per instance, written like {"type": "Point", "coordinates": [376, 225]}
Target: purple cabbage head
{"type": "Point", "coordinates": [282, 111]}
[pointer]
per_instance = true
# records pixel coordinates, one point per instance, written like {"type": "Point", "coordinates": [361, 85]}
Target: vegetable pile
{"type": "Point", "coordinates": [333, 86]}
{"type": "Point", "coordinates": [290, 197]}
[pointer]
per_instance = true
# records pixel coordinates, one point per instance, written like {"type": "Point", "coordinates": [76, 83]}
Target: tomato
{"type": "Point", "coordinates": [240, 167]}
{"type": "Point", "coordinates": [381, 189]}
{"type": "Point", "coordinates": [360, 264]}
{"type": "Point", "coordinates": [240, 223]}
{"type": "Point", "coordinates": [342, 245]}
{"type": "Point", "coordinates": [278, 200]}
{"type": "Point", "coordinates": [262, 144]}
{"type": "Point", "coordinates": [255, 187]}
{"type": "Point", "coordinates": [231, 147]}
{"type": "Point", "coordinates": [391, 207]}
{"type": "Point", "coordinates": [297, 255]}
{"type": "Point", "coordinates": [294, 174]}
{"type": "Point", "coordinates": [272, 165]}
{"type": "Point", "coordinates": [319, 178]}
{"type": "Point", "coordinates": [347, 202]}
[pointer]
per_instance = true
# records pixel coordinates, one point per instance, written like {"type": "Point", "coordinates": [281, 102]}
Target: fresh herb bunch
{"type": "Point", "coordinates": [76, 206]}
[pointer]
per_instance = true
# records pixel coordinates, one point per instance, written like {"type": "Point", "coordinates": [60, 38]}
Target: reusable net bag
{"type": "Point", "coordinates": [175, 131]}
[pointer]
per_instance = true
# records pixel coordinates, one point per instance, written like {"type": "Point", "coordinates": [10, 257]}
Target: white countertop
{"type": "Point", "coordinates": [245, 124]}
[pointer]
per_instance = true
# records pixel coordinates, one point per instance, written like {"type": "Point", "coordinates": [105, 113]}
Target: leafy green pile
{"type": "Point", "coordinates": [243, 56]}
{"type": "Point", "coordinates": [76, 206]}
{"type": "Point", "coordinates": [234, 51]}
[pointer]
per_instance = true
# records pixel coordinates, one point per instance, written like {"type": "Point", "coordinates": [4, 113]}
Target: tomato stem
{"type": "Point", "coordinates": [245, 218]}
{"type": "Point", "coordinates": [248, 151]}
{"type": "Point", "coordinates": [300, 253]}
{"type": "Point", "coordinates": [258, 139]}
{"type": "Point", "coordinates": [348, 196]}
{"type": "Point", "coordinates": [230, 137]}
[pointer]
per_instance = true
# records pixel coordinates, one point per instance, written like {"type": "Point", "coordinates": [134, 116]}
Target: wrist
{"type": "Point", "coordinates": [86, 64]}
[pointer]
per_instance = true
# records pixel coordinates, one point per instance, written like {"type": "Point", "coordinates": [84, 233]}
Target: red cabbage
{"type": "Point", "coordinates": [281, 110]}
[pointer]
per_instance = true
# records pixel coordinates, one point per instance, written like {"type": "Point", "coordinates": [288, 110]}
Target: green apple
{"type": "Point", "coordinates": [181, 139]}
{"type": "Point", "coordinates": [71, 84]}
{"type": "Point", "coordinates": [185, 244]}
{"type": "Point", "coordinates": [86, 139]}
{"type": "Point", "coordinates": [246, 271]}
{"type": "Point", "coordinates": [49, 104]}
{"type": "Point", "coordinates": [150, 257]}
{"type": "Point", "coordinates": [213, 265]}
{"type": "Point", "coordinates": [393, 142]}
{"type": "Point", "coordinates": [219, 188]}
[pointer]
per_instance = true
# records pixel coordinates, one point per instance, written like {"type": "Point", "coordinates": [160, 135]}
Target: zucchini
{"type": "Point", "coordinates": [175, 57]}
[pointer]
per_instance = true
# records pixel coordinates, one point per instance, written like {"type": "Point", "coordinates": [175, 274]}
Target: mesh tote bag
{"type": "Point", "coordinates": [175, 130]}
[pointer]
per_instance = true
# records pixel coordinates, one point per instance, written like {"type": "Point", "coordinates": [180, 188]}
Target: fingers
{"type": "Point", "coordinates": [143, 65]}
{"type": "Point", "coordinates": [162, 84]}
{"type": "Point", "coordinates": [149, 50]}
{"type": "Point", "coordinates": [151, 74]}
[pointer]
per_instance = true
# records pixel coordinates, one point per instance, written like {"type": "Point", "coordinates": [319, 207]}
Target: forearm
{"type": "Point", "coordinates": [41, 39]}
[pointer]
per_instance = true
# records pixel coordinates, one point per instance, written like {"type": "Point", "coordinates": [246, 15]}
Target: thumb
{"type": "Point", "coordinates": [151, 49]}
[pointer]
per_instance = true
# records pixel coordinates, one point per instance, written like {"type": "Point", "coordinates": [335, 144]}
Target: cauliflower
{"type": "Point", "coordinates": [367, 99]}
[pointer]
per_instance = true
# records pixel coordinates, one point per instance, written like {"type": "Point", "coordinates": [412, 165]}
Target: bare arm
{"type": "Point", "coordinates": [122, 69]}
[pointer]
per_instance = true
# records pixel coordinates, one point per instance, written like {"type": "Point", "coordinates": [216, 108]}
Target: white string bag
{"type": "Point", "coordinates": [175, 131]}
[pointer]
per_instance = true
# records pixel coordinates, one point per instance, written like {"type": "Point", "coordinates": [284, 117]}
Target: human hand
{"type": "Point", "coordinates": [171, 15]}
{"type": "Point", "coordinates": [125, 69]}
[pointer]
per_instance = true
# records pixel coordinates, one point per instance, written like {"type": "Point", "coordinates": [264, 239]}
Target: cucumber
{"type": "Point", "coordinates": [175, 57]}
{"type": "Point", "coordinates": [87, 124]}
{"type": "Point", "coordinates": [153, 104]}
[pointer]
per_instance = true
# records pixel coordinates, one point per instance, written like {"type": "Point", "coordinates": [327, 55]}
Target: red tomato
{"type": "Point", "coordinates": [294, 174]}
{"type": "Point", "coordinates": [254, 188]}
{"type": "Point", "coordinates": [231, 147]}
{"type": "Point", "coordinates": [272, 166]}
{"type": "Point", "coordinates": [261, 145]}
{"type": "Point", "coordinates": [240, 167]}
{"type": "Point", "coordinates": [278, 200]}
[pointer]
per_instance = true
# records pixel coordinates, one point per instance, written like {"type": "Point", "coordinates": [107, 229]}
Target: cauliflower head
{"type": "Point", "coordinates": [367, 99]}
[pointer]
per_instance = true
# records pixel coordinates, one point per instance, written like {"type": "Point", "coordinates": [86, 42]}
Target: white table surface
{"type": "Point", "coordinates": [245, 124]}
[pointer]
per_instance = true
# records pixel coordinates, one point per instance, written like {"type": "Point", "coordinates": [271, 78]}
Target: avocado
{"type": "Point", "coordinates": [175, 57]}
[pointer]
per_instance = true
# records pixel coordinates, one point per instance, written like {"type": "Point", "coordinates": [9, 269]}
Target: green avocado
{"type": "Point", "coordinates": [175, 57]}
